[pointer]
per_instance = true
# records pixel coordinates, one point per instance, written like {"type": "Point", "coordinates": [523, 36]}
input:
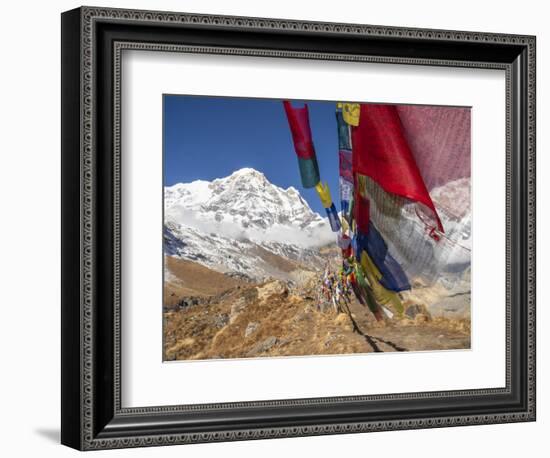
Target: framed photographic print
{"type": "Point", "coordinates": [277, 228]}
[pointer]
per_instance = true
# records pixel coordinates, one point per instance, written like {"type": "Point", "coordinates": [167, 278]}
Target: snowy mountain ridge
{"type": "Point", "coordinates": [246, 206]}
{"type": "Point", "coordinates": [240, 222]}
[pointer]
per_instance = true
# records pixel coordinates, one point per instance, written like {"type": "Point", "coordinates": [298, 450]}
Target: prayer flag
{"type": "Point", "coordinates": [350, 112]}
{"type": "Point", "coordinates": [381, 152]}
{"type": "Point", "coordinates": [333, 218]}
{"type": "Point", "coordinates": [344, 142]}
{"type": "Point", "coordinates": [298, 120]}
{"type": "Point", "coordinates": [324, 194]}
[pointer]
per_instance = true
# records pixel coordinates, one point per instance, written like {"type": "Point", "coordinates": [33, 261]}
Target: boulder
{"type": "Point", "coordinates": [413, 310]}
{"type": "Point", "coordinates": [221, 320]}
{"type": "Point", "coordinates": [263, 346]}
{"type": "Point", "coordinates": [251, 328]}
{"type": "Point", "coordinates": [267, 290]}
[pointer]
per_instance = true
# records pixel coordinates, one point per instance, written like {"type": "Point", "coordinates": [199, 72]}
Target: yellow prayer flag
{"type": "Point", "coordinates": [382, 295]}
{"type": "Point", "coordinates": [324, 194]}
{"type": "Point", "coordinates": [350, 112]}
{"type": "Point", "coordinates": [345, 225]}
{"type": "Point", "coordinates": [369, 266]}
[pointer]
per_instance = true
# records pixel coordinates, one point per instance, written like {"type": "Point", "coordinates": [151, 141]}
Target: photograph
{"type": "Point", "coordinates": [314, 227]}
{"type": "Point", "coordinates": [279, 222]}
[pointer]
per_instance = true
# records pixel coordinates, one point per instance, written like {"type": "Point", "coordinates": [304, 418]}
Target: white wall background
{"type": "Point", "coordinates": [30, 214]}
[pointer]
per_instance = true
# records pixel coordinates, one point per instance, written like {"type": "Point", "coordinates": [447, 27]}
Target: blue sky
{"type": "Point", "coordinates": [211, 137]}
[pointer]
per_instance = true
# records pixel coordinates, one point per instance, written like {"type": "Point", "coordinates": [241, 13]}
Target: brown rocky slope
{"type": "Point", "coordinates": [238, 319]}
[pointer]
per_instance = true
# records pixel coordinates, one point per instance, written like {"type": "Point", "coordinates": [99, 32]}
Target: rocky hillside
{"type": "Point", "coordinates": [269, 319]}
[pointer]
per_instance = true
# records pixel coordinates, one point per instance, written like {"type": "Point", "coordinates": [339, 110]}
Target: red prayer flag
{"type": "Point", "coordinates": [346, 252]}
{"type": "Point", "coordinates": [298, 120]}
{"type": "Point", "coordinates": [345, 158]}
{"type": "Point", "coordinates": [361, 212]}
{"type": "Point", "coordinates": [381, 152]}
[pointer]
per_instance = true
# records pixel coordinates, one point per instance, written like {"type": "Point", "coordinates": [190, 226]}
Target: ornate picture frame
{"type": "Point", "coordinates": [93, 416]}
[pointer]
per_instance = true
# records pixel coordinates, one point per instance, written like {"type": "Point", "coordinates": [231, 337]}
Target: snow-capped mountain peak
{"type": "Point", "coordinates": [245, 205]}
{"type": "Point", "coordinates": [243, 223]}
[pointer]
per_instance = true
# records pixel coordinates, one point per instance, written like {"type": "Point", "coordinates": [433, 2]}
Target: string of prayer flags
{"type": "Point", "coordinates": [345, 180]}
